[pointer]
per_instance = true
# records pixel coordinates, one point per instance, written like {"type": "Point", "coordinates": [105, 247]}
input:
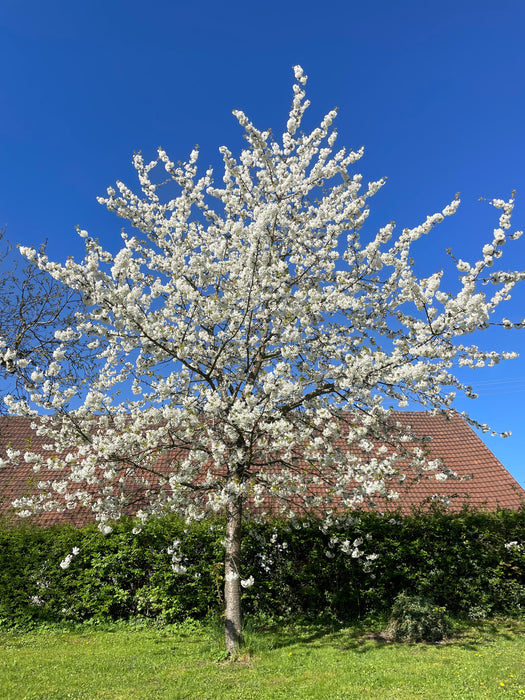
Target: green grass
{"type": "Point", "coordinates": [126, 662]}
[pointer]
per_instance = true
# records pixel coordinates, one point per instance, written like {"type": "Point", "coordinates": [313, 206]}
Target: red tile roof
{"type": "Point", "coordinates": [452, 440]}
{"type": "Point", "coordinates": [462, 451]}
{"type": "Point", "coordinates": [19, 481]}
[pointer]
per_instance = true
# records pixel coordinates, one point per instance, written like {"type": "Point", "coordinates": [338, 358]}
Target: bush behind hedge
{"type": "Point", "coordinates": [472, 563]}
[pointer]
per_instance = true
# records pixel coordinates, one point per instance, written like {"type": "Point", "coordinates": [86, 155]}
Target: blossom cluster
{"type": "Point", "coordinates": [64, 564]}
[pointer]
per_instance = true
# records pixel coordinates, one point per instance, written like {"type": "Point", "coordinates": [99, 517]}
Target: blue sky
{"type": "Point", "coordinates": [435, 91]}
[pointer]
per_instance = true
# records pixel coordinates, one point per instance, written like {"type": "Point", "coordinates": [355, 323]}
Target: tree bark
{"type": "Point", "coordinates": [232, 579]}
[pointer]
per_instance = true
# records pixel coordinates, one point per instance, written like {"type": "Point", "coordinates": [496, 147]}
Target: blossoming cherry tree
{"type": "Point", "coordinates": [246, 328]}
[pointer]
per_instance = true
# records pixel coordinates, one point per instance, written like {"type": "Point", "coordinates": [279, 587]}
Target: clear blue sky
{"type": "Point", "coordinates": [434, 90]}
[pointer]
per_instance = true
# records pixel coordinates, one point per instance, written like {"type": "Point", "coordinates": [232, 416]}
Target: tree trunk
{"type": "Point", "coordinates": [232, 579]}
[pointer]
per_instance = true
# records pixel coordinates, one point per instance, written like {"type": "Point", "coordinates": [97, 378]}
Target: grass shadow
{"type": "Point", "coordinates": [364, 636]}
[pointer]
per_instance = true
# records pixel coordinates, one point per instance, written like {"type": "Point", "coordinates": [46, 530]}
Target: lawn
{"type": "Point", "coordinates": [126, 662]}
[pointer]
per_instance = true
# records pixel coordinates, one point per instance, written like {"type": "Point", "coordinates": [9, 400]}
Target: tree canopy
{"type": "Point", "coordinates": [246, 327]}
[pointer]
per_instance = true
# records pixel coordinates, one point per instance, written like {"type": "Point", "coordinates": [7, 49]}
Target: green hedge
{"type": "Point", "coordinates": [464, 562]}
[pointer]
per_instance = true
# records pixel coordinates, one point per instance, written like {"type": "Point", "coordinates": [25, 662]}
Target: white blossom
{"type": "Point", "coordinates": [64, 564]}
{"type": "Point", "coordinates": [514, 544]}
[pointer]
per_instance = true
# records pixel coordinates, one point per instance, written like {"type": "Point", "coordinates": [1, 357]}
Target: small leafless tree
{"type": "Point", "coordinates": [33, 306]}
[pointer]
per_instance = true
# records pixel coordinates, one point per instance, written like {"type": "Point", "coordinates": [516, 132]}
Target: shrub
{"type": "Point", "coordinates": [418, 619]}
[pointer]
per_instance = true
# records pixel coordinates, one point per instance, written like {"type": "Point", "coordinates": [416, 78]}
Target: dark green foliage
{"type": "Point", "coordinates": [117, 576]}
{"type": "Point", "coordinates": [418, 619]}
{"type": "Point", "coordinates": [472, 563]}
